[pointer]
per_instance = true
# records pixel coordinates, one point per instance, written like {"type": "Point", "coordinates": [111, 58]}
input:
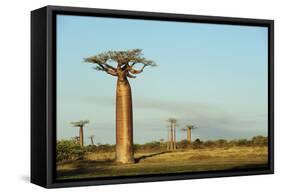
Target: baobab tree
{"type": "Point", "coordinates": [80, 124]}
{"type": "Point", "coordinates": [188, 129]}
{"type": "Point", "coordinates": [172, 134]}
{"type": "Point", "coordinates": [161, 141]}
{"type": "Point", "coordinates": [91, 137]}
{"type": "Point", "coordinates": [168, 138]}
{"type": "Point", "coordinates": [121, 64]}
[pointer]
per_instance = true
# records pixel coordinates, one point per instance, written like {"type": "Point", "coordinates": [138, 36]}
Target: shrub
{"type": "Point", "coordinates": [259, 141]}
{"type": "Point", "coordinates": [69, 150]}
{"type": "Point", "coordinates": [209, 143]}
{"type": "Point", "coordinates": [150, 146]}
{"type": "Point", "coordinates": [197, 144]}
{"type": "Point", "coordinates": [221, 143]}
{"type": "Point", "coordinates": [243, 142]}
{"type": "Point", "coordinates": [182, 144]}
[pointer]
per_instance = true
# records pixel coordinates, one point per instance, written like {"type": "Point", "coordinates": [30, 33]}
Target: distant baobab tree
{"type": "Point", "coordinates": [123, 69]}
{"type": "Point", "coordinates": [161, 141]}
{"type": "Point", "coordinates": [188, 129]}
{"type": "Point", "coordinates": [172, 134]}
{"type": "Point", "coordinates": [168, 138]}
{"type": "Point", "coordinates": [80, 124]}
{"type": "Point", "coordinates": [91, 137]}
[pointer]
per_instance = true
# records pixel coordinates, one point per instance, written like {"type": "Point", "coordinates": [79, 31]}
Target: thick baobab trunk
{"type": "Point", "coordinates": [81, 138]}
{"type": "Point", "coordinates": [189, 135]}
{"type": "Point", "coordinates": [124, 123]}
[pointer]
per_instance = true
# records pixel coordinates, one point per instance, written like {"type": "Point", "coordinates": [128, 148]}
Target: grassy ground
{"type": "Point", "coordinates": [189, 160]}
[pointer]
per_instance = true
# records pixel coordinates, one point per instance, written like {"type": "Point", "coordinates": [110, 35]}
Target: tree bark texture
{"type": "Point", "coordinates": [81, 138]}
{"type": "Point", "coordinates": [189, 135]}
{"type": "Point", "coordinates": [124, 122]}
{"type": "Point", "coordinates": [174, 140]}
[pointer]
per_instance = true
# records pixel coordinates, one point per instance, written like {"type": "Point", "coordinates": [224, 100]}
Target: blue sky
{"type": "Point", "coordinates": [213, 76]}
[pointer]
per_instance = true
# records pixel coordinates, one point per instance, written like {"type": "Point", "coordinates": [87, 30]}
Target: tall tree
{"type": "Point", "coordinates": [161, 142]}
{"type": "Point", "coordinates": [169, 137]}
{"type": "Point", "coordinates": [172, 137]}
{"type": "Point", "coordinates": [188, 129]}
{"type": "Point", "coordinates": [80, 124]}
{"type": "Point", "coordinates": [122, 65]}
{"type": "Point", "coordinates": [91, 137]}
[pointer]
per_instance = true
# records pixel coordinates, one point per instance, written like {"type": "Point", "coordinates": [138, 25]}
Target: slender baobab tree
{"type": "Point", "coordinates": [188, 129]}
{"type": "Point", "coordinates": [174, 135]}
{"type": "Point", "coordinates": [168, 138]}
{"type": "Point", "coordinates": [91, 137]}
{"type": "Point", "coordinates": [80, 124]}
{"type": "Point", "coordinates": [172, 132]}
{"type": "Point", "coordinates": [161, 141]}
{"type": "Point", "coordinates": [124, 68]}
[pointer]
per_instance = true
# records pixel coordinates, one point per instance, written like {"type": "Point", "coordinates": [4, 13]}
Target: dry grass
{"type": "Point", "coordinates": [189, 160]}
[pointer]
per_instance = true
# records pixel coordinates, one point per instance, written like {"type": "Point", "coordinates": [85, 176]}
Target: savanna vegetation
{"type": "Point", "coordinates": [74, 161]}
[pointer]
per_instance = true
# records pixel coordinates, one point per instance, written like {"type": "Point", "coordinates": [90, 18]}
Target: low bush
{"type": "Point", "coordinates": [69, 150]}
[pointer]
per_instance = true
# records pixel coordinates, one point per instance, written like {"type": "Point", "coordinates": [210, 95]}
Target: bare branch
{"type": "Point", "coordinates": [109, 66]}
{"type": "Point", "coordinates": [98, 68]}
{"type": "Point", "coordinates": [134, 71]}
{"type": "Point", "coordinates": [106, 69]}
{"type": "Point", "coordinates": [111, 72]}
{"type": "Point", "coordinates": [130, 75]}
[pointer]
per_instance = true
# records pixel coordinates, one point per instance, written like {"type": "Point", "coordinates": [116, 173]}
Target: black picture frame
{"type": "Point", "coordinates": [43, 94]}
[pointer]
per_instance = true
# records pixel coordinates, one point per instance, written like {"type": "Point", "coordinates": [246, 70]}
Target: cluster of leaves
{"type": "Point", "coordinates": [69, 150]}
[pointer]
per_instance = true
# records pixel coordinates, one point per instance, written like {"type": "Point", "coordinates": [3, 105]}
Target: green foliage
{"type": "Point", "coordinates": [259, 140]}
{"type": "Point", "coordinates": [210, 143]}
{"type": "Point", "coordinates": [121, 57]}
{"type": "Point", "coordinates": [197, 144]}
{"type": "Point", "coordinates": [100, 148]}
{"type": "Point", "coordinates": [221, 143]}
{"type": "Point", "coordinates": [69, 150]}
{"type": "Point", "coordinates": [80, 123]}
{"type": "Point", "coordinates": [243, 142]}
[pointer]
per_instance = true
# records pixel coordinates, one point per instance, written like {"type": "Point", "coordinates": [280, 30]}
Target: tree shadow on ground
{"type": "Point", "coordinates": [137, 160]}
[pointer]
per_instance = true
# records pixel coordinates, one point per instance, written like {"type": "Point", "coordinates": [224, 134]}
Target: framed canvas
{"type": "Point", "coordinates": [126, 96]}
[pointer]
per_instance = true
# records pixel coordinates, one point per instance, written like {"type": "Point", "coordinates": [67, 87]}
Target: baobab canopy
{"type": "Point", "coordinates": [125, 61]}
{"type": "Point", "coordinates": [190, 126]}
{"type": "Point", "coordinates": [80, 123]}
